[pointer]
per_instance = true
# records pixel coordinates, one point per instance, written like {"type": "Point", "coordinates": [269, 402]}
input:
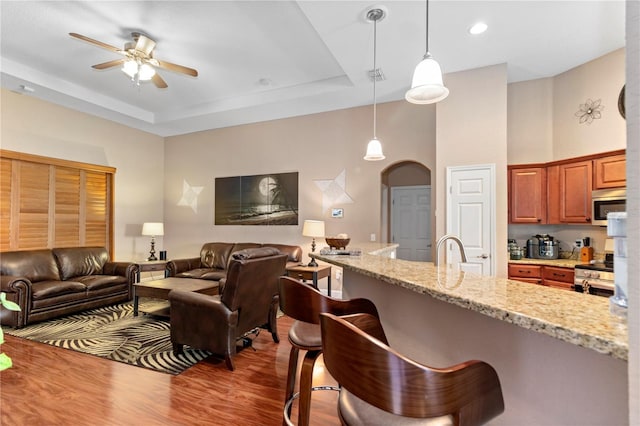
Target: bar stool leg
{"type": "Point", "coordinates": [306, 383]}
{"type": "Point", "coordinates": [291, 379]}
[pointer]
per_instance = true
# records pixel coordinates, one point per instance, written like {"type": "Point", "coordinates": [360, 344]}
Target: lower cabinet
{"type": "Point", "coordinates": [528, 273]}
{"type": "Point", "coordinates": [552, 276]}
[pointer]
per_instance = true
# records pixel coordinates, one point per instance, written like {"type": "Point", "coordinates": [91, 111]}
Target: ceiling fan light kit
{"type": "Point", "coordinates": [139, 63]}
{"type": "Point", "coordinates": [427, 86]}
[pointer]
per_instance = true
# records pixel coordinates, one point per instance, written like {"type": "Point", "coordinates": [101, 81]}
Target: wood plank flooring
{"type": "Point", "coordinates": [54, 386]}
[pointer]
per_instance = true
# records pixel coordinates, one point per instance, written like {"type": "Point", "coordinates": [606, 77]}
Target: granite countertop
{"type": "Point", "coordinates": [577, 318]}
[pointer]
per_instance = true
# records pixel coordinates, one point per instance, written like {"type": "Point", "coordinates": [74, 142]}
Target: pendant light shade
{"type": "Point", "coordinates": [374, 151]}
{"type": "Point", "coordinates": [374, 147]}
{"type": "Point", "coordinates": [427, 86]}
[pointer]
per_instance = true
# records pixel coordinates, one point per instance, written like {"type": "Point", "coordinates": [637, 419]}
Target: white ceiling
{"type": "Point", "coordinates": [263, 60]}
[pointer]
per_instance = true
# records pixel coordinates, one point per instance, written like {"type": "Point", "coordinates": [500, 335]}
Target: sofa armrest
{"type": "Point", "coordinates": [182, 265]}
{"type": "Point", "coordinates": [123, 269]}
{"type": "Point", "coordinates": [18, 290]}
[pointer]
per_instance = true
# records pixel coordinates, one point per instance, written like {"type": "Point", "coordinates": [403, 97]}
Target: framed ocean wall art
{"type": "Point", "coordinates": [269, 199]}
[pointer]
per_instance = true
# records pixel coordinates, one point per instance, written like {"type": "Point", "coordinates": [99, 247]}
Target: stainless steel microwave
{"type": "Point", "coordinates": [607, 201]}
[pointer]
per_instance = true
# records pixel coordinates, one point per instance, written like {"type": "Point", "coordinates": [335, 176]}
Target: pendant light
{"type": "Point", "coordinates": [374, 147]}
{"type": "Point", "coordinates": [427, 86]}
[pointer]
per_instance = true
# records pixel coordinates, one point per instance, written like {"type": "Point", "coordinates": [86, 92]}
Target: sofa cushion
{"type": "Point", "coordinates": [35, 265]}
{"type": "Point", "coordinates": [96, 282]}
{"type": "Point", "coordinates": [294, 253]}
{"type": "Point", "coordinates": [80, 261]}
{"type": "Point", "coordinates": [255, 253]}
{"type": "Point", "coordinates": [48, 289]}
{"type": "Point", "coordinates": [215, 255]}
{"type": "Point", "coordinates": [203, 274]}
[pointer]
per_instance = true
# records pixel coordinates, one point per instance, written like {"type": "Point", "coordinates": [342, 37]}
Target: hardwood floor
{"type": "Point", "coordinates": [54, 386]}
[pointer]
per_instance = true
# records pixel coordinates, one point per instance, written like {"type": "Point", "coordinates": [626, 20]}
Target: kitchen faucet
{"type": "Point", "coordinates": [454, 238]}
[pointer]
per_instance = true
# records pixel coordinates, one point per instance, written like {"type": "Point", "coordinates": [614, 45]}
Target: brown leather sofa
{"type": "Point", "coordinates": [53, 282]}
{"type": "Point", "coordinates": [248, 299]}
{"type": "Point", "coordinates": [214, 259]}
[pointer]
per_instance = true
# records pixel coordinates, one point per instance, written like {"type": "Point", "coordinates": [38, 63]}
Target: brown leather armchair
{"type": "Point", "coordinates": [248, 299]}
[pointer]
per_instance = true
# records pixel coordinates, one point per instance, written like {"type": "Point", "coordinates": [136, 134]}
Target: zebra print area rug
{"type": "Point", "coordinates": [114, 333]}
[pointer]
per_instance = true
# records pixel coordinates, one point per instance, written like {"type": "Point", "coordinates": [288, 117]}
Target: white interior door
{"type": "Point", "coordinates": [411, 222]}
{"type": "Point", "coordinates": [471, 216]}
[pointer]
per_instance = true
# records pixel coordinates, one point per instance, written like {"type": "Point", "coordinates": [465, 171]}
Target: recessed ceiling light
{"type": "Point", "coordinates": [478, 28]}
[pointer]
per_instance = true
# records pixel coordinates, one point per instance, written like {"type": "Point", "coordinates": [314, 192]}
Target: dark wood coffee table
{"type": "Point", "coordinates": [159, 289]}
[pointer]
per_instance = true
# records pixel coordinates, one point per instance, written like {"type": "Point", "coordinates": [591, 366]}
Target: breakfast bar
{"type": "Point", "coordinates": [560, 355]}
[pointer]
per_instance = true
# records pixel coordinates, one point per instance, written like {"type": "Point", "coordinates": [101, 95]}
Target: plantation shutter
{"type": "Point", "coordinates": [47, 202]}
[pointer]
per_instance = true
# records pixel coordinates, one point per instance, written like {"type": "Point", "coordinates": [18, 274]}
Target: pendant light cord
{"type": "Point", "coordinates": [375, 72]}
{"type": "Point", "coordinates": [426, 18]}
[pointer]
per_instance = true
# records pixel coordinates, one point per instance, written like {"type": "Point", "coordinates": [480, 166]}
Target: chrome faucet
{"type": "Point", "coordinates": [450, 237]}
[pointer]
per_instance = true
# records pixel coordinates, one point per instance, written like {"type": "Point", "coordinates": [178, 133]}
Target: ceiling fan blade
{"type": "Point", "coordinates": [158, 81]}
{"type": "Point", "coordinates": [109, 64]}
{"type": "Point", "coordinates": [145, 44]}
{"type": "Point", "coordinates": [96, 42]}
{"type": "Point", "coordinates": [177, 68]}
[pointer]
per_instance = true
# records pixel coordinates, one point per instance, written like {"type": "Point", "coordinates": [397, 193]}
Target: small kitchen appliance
{"type": "Point", "coordinates": [542, 247]}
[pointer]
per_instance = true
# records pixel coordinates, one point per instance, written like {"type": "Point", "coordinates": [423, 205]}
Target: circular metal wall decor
{"type": "Point", "coordinates": [621, 103]}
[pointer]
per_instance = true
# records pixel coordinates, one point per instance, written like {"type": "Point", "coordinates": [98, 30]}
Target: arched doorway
{"type": "Point", "coordinates": [406, 209]}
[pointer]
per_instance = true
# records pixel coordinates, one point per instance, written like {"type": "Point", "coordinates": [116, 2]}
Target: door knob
{"type": "Point", "coordinates": [483, 256]}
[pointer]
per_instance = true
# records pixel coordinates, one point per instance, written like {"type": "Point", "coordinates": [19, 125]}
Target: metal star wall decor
{"type": "Point", "coordinates": [190, 196]}
{"type": "Point", "coordinates": [334, 191]}
{"type": "Point", "coordinates": [589, 111]}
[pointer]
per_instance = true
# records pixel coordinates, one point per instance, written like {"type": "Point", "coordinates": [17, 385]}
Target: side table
{"type": "Point", "coordinates": [151, 266]}
{"type": "Point", "coordinates": [313, 273]}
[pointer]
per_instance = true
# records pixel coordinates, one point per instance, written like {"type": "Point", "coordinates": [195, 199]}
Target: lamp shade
{"type": "Point", "coordinates": [313, 228]}
{"type": "Point", "coordinates": [153, 228]}
{"type": "Point", "coordinates": [427, 86]}
{"type": "Point", "coordinates": [374, 151]}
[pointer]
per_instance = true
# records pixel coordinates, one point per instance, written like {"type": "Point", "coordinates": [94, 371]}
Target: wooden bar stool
{"type": "Point", "coordinates": [304, 304]}
{"type": "Point", "coordinates": [379, 386]}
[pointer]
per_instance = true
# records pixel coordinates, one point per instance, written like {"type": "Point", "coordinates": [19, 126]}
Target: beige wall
{"type": "Point", "coordinates": [542, 125]}
{"type": "Point", "coordinates": [318, 147]}
{"type": "Point", "coordinates": [530, 121]}
{"type": "Point", "coordinates": [471, 128]}
{"type": "Point", "coordinates": [36, 127]}
{"type": "Point", "coordinates": [602, 79]}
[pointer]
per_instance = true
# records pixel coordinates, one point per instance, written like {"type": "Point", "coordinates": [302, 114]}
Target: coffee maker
{"type": "Point", "coordinates": [542, 247]}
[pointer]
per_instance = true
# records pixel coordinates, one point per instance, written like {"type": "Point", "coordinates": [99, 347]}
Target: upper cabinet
{"type": "Point", "coordinates": [560, 192]}
{"type": "Point", "coordinates": [528, 195]}
{"type": "Point", "coordinates": [575, 192]}
{"type": "Point", "coordinates": [610, 172]}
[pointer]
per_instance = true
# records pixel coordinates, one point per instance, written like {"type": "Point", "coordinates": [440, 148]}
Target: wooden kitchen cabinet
{"type": "Point", "coordinates": [575, 182]}
{"type": "Point", "coordinates": [527, 195]}
{"type": "Point", "coordinates": [527, 273]}
{"type": "Point", "coordinates": [552, 276]}
{"type": "Point", "coordinates": [558, 277]}
{"type": "Point", "coordinates": [610, 172]}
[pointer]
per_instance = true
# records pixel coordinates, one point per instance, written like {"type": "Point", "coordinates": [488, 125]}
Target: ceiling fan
{"type": "Point", "coordinates": [138, 62]}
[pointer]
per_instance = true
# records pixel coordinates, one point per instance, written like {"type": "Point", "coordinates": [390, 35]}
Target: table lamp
{"type": "Point", "coordinates": [313, 229]}
{"type": "Point", "coordinates": [153, 229]}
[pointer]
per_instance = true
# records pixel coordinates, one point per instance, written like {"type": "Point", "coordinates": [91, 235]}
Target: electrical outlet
{"type": "Point", "coordinates": [373, 237]}
{"type": "Point", "coordinates": [577, 244]}
{"type": "Point", "coordinates": [338, 275]}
